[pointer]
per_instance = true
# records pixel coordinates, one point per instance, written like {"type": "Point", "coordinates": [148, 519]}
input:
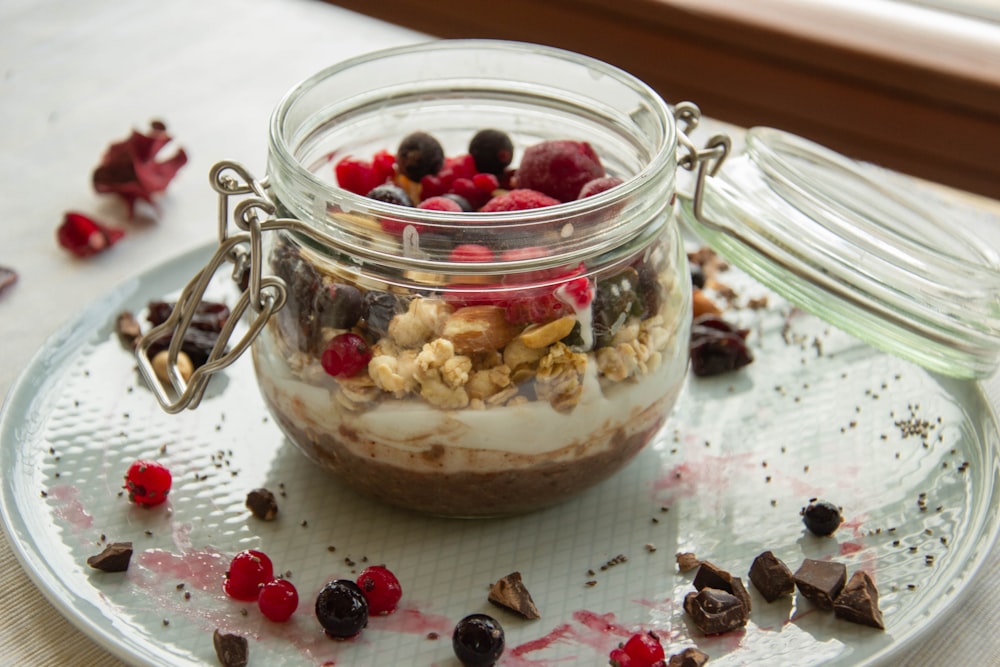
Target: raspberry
{"type": "Point", "coordinates": [471, 252]}
{"type": "Point", "coordinates": [440, 203]}
{"type": "Point", "coordinates": [345, 355]}
{"type": "Point", "coordinates": [357, 176]}
{"type": "Point", "coordinates": [467, 188]}
{"type": "Point", "coordinates": [559, 168]}
{"type": "Point", "coordinates": [518, 200]}
{"type": "Point", "coordinates": [277, 600]}
{"type": "Point", "coordinates": [598, 185]}
{"type": "Point", "coordinates": [492, 151]}
{"type": "Point", "coordinates": [381, 588]}
{"type": "Point", "coordinates": [419, 154]}
{"type": "Point", "coordinates": [248, 571]}
{"type": "Point", "coordinates": [147, 483]}
{"type": "Point", "coordinates": [644, 649]}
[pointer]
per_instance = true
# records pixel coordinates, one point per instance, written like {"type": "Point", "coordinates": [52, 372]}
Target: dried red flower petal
{"type": "Point", "coordinates": [129, 168]}
{"type": "Point", "coordinates": [7, 278]}
{"type": "Point", "coordinates": [84, 237]}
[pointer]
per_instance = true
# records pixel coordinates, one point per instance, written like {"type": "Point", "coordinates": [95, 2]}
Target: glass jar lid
{"type": "Point", "coordinates": [824, 232]}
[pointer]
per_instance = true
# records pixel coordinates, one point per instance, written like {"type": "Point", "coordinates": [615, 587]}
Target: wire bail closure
{"type": "Point", "coordinates": [253, 215]}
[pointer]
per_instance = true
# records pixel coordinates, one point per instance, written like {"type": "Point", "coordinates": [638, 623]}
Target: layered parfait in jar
{"type": "Point", "coordinates": [500, 316]}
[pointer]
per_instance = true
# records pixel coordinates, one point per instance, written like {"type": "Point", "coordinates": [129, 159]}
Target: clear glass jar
{"type": "Point", "coordinates": [498, 386]}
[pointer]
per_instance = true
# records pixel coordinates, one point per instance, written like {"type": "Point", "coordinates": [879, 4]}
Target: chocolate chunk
{"type": "Point", "coordinates": [714, 611]}
{"type": "Point", "coordinates": [689, 657]}
{"type": "Point", "coordinates": [710, 575]}
{"type": "Point", "coordinates": [858, 602]}
{"type": "Point", "coordinates": [128, 329]}
{"type": "Point", "coordinates": [771, 577]}
{"type": "Point", "coordinates": [821, 581]}
{"type": "Point", "coordinates": [510, 593]}
{"type": "Point", "coordinates": [231, 649]}
{"type": "Point", "coordinates": [687, 561]}
{"type": "Point", "coordinates": [114, 558]}
{"type": "Point", "coordinates": [262, 504]}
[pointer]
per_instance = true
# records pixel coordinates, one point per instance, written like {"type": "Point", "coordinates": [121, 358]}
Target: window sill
{"type": "Point", "coordinates": [906, 87]}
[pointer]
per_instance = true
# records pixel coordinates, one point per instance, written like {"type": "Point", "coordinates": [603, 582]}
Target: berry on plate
{"type": "Point", "coordinates": [478, 640]}
{"type": "Point", "coordinates": [381, 588]}
{"type": "Point", "coordinates": [147, 483]}
{"type": "Point", "coordinates": [248, 572]}
{"type": "Point", "coordinates": [341, 608]}
{"type": "Point", "coordinates": [278, 599]}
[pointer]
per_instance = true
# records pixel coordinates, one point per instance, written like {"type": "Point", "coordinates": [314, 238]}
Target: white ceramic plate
{"type": "Point", "coordinates": [817, 415]}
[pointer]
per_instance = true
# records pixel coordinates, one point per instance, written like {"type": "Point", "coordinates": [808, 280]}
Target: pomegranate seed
{"type": "Point", "coordinates": [345, 355]}
{"type": "Point", "coordinates": [278, 599]}
{"type": "Point", "coordinates": [248, 572]}
{"type": "Point", "coordinates": [84, 237]}
{"type": "Point", "coordinates": [381, 588]}
{"type": "Point", "coordinates": [147, 483]}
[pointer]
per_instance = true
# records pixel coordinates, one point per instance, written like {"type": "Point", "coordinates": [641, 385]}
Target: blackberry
{"type": "Point", "coordinates": [478, 640]}
{"type": "Point", "coordinates": [822, 518]}
{"type": "Point", "coordinates": [341, 608]}
{"type": "Point", "coordinates": [419, 154]}
{"type": "Point", "coordinates": [390, 194]}
{"type": "Point", "coordinates": [492, 151]}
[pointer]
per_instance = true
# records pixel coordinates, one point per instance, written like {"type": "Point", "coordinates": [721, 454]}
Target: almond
{"type": "Point", "coordinates": [538, 336]}
{"type": "Point", "coordinates": [478, 329]}
{"type": "Point", "coordinates": [702, 305]}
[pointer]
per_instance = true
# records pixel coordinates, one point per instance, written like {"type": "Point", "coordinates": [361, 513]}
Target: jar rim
{"type": "Point", "coordinates": [282, 149]}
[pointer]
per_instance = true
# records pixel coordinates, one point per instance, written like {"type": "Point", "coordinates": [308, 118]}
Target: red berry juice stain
{"type": "Point", "coordinates": [848, 548]}
{"type": "Point", "coordinates": [204, 569]}
{"type": "Point", "coordinates": [598, 632]}
{"type": "Point", "coordinates": [706, 473]}
{"type": "Point", "coordinates": [69, 508]}
{"type": "Point", "coordinates": [412, 621]}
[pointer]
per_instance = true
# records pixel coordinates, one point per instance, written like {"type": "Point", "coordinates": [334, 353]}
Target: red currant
{"type": "Point", "coordinates": [278, 599]}
{"type": "Point", "coordinates": [644, 649]}
{"type": "Point", "coordinates": [381, 588]}
{"type": "Point", "coordinates": [248, 571]}
{"type": "Point", "coordinates": [345, 355]}
{"type": "Point", "coordinates": [147, 483]}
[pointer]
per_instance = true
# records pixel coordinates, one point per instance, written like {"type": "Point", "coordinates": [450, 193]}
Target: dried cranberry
{"type": "Point", "coordinates": [84, 236]}
{"type": "Point", "coordinates": [717, 348]}
{"type": "Point", "coordinates": [208, 315]}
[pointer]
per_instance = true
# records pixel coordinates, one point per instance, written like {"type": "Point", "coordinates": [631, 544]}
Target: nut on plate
{"type": "Point", "coordinates": [184, 366]}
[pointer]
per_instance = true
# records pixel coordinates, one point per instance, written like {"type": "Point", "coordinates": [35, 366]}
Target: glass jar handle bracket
{"type": "Point", "coordinates": [253, 215]}
{"type": "Point", "coordinates": [706, 160]}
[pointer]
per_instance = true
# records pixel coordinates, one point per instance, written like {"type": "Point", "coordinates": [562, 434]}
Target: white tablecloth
{"type": "Point", "coordinates": [76, 75]}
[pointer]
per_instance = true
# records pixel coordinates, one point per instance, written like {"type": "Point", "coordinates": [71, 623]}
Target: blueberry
{"type": "Point", "coordinates": [378, 309]}
{"type": "Point", "coordinates": [341, 608]}
{"type": "Point", "coordinates": [492, 151]}
{"type": "Point", "coordinates": [478, 640]}
{"type": "Point", "coordinates": [419, 154]}
{"type": "Point", "coordinates": [390, 194]}
{"type": "Point", "coordinates": [822, 518]}
{"type": "Point", "coordinates": [338, 305]}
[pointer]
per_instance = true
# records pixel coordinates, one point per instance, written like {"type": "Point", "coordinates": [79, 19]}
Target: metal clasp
{"type": "Point", "coordinates": [706, 160]}
{"type": "Point", "coordinates": [265, 295]}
